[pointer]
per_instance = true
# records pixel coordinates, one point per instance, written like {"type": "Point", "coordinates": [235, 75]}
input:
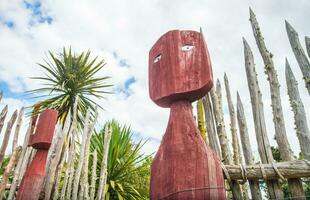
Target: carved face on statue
{"type": "Point", "coordinates": [179, 68]}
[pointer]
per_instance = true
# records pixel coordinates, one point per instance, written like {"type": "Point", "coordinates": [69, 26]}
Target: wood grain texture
{"type": "Point", "coordinates": [302, 129]}
{"type": "Point", "coordinates": [18, 170]}
{"type": "Point", "coordinates": [233, 124]}
{"type": "Point", "coordinates": [8, 169]}
{"type": "Point", "coordinates": [307, 40]}
{"type": "Point", "coordinates": [274, 189]}
{"type": "Point", "coordinates": [177, 73]}
{"type": "Point", "coordinates": [7, 134]}
{"type": "Point", "coordinates": [286, 153]}
{"type": "Point", "coordinates": [246, 147]}
{"type": "Point", "coordinates": [3, 114]}
{"type": "Point", "coordinates": [210, 125]}
{"type": "Point", "coordinates": [216, 97]}
{"type": "Point", "coordinates": [288, 169]}
{"type": "Point", "coordinates": [299, 53]}
{"type": "Point", "coordinates": [184, 164]}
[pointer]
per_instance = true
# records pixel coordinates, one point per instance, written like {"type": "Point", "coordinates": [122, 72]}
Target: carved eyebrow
{"type": "Point", "coordinates": [157, 58]}
{"type": "Point", "coordinates": [187, 47]}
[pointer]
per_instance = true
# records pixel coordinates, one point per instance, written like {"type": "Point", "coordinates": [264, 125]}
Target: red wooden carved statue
{"type": "Point", "coordinates": [33, 178]}
{"type": "Point", "coordinates": [184, 166]}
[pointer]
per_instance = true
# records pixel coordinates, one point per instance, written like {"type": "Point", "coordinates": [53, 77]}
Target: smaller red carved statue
{"type": "Point", "coordinates": [180, 72]}
{"type": "Point", "coordinates": [33, 178]}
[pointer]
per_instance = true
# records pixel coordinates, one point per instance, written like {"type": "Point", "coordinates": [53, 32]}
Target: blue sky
{"type": "Point", "coordinates": [122, 32]}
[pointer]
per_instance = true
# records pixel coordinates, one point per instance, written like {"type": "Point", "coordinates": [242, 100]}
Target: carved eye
{"type": "Point", "coordinates": [187, 47]}
{"type": "Point", "coordinates": [157, 58]}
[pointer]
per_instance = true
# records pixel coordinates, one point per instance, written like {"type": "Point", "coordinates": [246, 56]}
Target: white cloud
{"type": "Point", "coordinates": [130, 28]}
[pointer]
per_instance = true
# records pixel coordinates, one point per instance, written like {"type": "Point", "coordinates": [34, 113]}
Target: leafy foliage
{"type": "Point", "coordinates": [4, 163]}
{"type": "Point", "coordinates": [128, 169]}
{"type": "Point", "coordinates": [68, 77]}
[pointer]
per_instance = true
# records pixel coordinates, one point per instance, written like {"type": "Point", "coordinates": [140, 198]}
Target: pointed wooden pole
{"type": "Point", "coordinates": [93, 176]}
{"type": "Point", "coordinates": [17, 128]}
{"type": "Point", "coordinates": [300, 54]}
{"type": "Point", "coordinates": [8, 169]}
{"type": "Point", "coordinates": [78, 171]}
{"type": "Point", "coordinates": [84, 178]}
{"type": "Point", "coordinates": [71, 175]}
{"type": "Point", "coordinates": [308, 45]}
{"type": "Point", "coordinates": [58, 173]}
{"type": "Point", "coordinates": [246, 146]}
{"type": "Point", "coordinates": [233, 128]}
{"type": "Point", "coordinates": [3, 114]}
{"type": "Point", "coordinates": [295, 186]}
{"type": "Point", "coordinates": [270, 71]}
{"type": "Point", "coordinates": [68, 168]}
{"type": "Point", "coordinates": [210, 125]}
{"type": "Point", "coordinates": [19, 167]}
{"type": "Point", "coordinates": [104, 163]}
{"type": "Point", "coordinates": [300, 118]}
{"type": "Point", "coordinates": [220, 126]}
{"type": "Point", "coordinates": [7, 135]}
{"type": "Point", "coordinates": [274, 189]}
{"type": "Point", "coordinates": [55, 158]}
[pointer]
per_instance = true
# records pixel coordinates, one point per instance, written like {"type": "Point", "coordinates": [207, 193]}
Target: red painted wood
{"type": "Point", "coordinates": [177, 74]}
{"type": "Point", "coordinates": [33, 178]}
{"type": "Point", "coordinates": [32, 182]}
{"type": "Point", "coordinates": [184, 161]}
{"type": "Point", "coordinates": [43, 136]}
{"type": "Point", "coordinates": [180, 72]}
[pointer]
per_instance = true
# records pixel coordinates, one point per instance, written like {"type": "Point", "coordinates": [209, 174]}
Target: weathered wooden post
{"type": "Point", "coordinates": [32, 181]}
{"type": "Point", "coordinates": [180, 73]}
